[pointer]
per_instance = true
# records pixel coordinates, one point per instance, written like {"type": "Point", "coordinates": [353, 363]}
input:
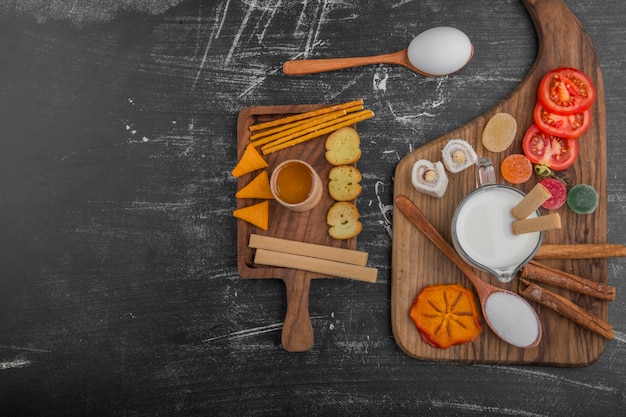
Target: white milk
{"type": "Point", "coordinates": [484, 230]}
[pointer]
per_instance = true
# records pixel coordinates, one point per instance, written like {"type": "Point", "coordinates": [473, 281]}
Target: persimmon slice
{"type": "Point", "coordinates": [446, 315]}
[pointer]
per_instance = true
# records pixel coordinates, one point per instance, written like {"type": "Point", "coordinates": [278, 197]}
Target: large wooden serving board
{"type": "Point", "coordinates": [416, 262]}
{"type": "Point", "coordinates": [309, 227]}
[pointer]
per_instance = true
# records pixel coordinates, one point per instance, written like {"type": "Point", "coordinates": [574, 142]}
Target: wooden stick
{"type": "Point", "coordinates": [342, 122]}
{"type": "Point", "coordinates": [566, 308]}
{"type": "Point", "coordinates": [536, 271]}
{"type": "Point", "coordinates": [581, 251]}
{"type": "Point", "coordinates": [300, 116]}
{"type": "Point", "coordinates": [308, 249]}
{"type": "Point", "coordinates": [302, 127]}
{"type": "Point", "coordinates": [321, 266]}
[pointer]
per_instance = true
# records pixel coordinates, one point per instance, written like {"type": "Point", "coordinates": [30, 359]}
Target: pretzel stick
{"type": "Point", "coordinates": [300, 116]}
{"type": "Point", "coordinates": [300, 128]}
{"type": "Point", "coordinates": [536, 271]}
{"type": "Point", "coordinates": [303, 123]}
{"type": "Point", "coordinates": [566, 308]}
{"type": "Point", "coordinates": [341, 122]}
{"type": "Point", "coordinates": [312, 130]}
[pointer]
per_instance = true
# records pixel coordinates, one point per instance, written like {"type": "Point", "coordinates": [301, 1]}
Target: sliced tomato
{"type": "Point", "coordinates": [566, 91]}
{"type": "Point", "coordinates": [548, 151]}
{"type": "Point", "coordinates": [568, 126]}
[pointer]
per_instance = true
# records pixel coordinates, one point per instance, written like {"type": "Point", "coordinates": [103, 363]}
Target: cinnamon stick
{"type": "Point", "coordinates": [581, 251]}
{"type": "Point", "coordinates": [536, 271]}
{"type": "Point", "coordinates": [566, 308]}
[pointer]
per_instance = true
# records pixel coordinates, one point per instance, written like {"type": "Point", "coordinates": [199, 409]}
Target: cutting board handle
{"type": "Point", "coordinates": [553, 38]}
{"type": "Point", "coordinates": [297, 334]}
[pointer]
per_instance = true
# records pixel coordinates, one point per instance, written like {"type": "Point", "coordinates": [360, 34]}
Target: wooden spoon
{"type": "Point", "coordinates": [436, 51]}
{"type": "Point", "coordinates": [314, 66]}
{"type": "Point", "coordinates": [484, 290]}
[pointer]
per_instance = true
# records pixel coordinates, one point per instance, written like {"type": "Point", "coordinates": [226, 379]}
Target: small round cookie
{"type": "Point", "coordinates": [343, 184]}
{"type": "Point", "coordinates": [343, 147]}
{"type": "Point", "coordinates": [343, 219]}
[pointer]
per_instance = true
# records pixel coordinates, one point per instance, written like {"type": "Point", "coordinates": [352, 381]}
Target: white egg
{"type": "Point", "coordinates": [440, 50]}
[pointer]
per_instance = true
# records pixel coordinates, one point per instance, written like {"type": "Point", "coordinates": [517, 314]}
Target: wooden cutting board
{"type": "Point", "coordinates": [416, 262]}
{"type": "Point", "coordinates": [309, 227]}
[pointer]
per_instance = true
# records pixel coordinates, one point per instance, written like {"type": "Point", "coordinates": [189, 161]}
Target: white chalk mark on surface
{"type": "Point", "coordinates": [219, 28]}
{"type": "Point", "coordinates": [314, 31]}
{"type": "Point", "coordinates": [385, 209]}
{"type": "Point", "coordinates": [345, 87]}
{"type": "Point", "coordinates": [620, 337]}
{"type": "Point", "coordinates": [26, 349]}
{"type": "Point", "coordinates": [257, 82]}
{"type": "Point", "coordinates": [273, 9]}
{"type": "Point", "coordinates": [251, 332]}
{"type": "Point", "coordinates": [481, 409]}
{"type": "Point", "coordinates": [215, 33]}
{"type": "Point", "coordinates": [239, 32]}
{"type": "Point", "coordinates": [545, 375]}
{"type": "Point", "coordinates": [298, 32]}
{"type": "Point", "coordinates": [15, 363]}
{"type": "Point", "coordinates": [380, 81]}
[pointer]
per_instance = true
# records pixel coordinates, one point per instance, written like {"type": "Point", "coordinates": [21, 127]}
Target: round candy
{"type": "Point", "coordinates": [558, 191]}
{"type": "Point", "coordinates": [516, 168]}
{"type": "Point", "coordinates": [582, 199]}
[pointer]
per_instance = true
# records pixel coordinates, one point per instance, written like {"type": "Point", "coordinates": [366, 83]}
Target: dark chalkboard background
{"type": "Point", "coordinates": [119, 292]}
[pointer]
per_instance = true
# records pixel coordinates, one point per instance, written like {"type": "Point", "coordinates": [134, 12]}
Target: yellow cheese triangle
{"type": "Point", "coordinates": [256, 214]}
{"type": "Point", "coordinates": [251, 160]}
{"type": "Point", "coordinates": [259, 187]}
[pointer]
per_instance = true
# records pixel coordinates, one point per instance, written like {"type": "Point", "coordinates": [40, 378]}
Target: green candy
{"type": "Point", "coordinates": [582, 199]}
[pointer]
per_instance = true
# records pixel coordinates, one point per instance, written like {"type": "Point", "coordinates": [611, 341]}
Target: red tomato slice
{"type": "Point", "coordinates": [566, 91]}
{"type": "Point", "coordinates": [549, 151]}
{"type": "Point", "coordinates": [570, 126]}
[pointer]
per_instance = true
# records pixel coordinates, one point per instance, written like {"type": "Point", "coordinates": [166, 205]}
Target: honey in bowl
{"type": "Point", "coordinates": [293, 183]}
{"type": "Point", "coordinates": [296, 185]}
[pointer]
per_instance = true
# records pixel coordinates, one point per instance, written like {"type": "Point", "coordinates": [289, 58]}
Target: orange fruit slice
{"type": "Point", "coordinates": [446, 315]}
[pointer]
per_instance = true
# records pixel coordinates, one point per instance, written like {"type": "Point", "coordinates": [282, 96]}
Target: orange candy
{"type": "Point", "coordinates": [516, 168]}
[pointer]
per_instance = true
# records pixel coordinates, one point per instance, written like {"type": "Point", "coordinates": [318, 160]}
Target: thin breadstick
{"type": "Point", "coordinates": [311, 129]}
{"type": "Point", "coordinates": [300, 116]}
{"type": "Point", "coordinates": [347, 121]}
{"type": "Point", "coordinates": [287, 126]}
{"type": "Point", "coordinates": [293, 125]}
{"type": "Point", "coordinates": [307, 126]}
